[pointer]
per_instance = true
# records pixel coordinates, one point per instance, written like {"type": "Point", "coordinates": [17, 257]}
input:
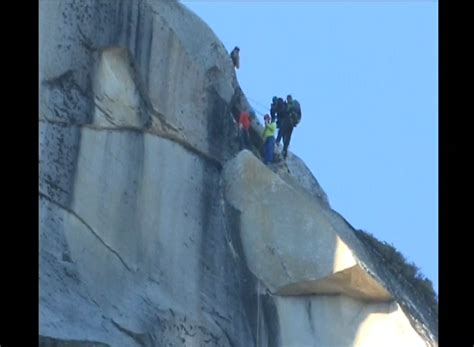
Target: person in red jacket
{"type": "Point", "coordinates": [244, 125]}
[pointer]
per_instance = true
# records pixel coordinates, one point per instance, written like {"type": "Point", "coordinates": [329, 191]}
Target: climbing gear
{"type": "Point", "coordinates": [294, 110]}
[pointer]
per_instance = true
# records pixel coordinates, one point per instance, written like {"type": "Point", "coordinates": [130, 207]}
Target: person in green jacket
{"type": "Point", "coordinates": [269, 139]}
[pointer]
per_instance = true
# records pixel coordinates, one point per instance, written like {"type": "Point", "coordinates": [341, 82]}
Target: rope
{"type": "Point", "coordinates": [258, 111]}
{"type": "Point", "coordinates": [257, 102]}
{"type": "Point", "coordinates": [258, 312]}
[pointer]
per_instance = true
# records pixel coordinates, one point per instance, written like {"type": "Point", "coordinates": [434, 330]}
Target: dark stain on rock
{"type": "Point", "coordinates": [66, 99]}
{"type": "Point", "coordinates": [47, 341]}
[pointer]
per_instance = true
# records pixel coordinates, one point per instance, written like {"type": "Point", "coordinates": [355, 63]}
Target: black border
{"type": "Point", "coordinates": [456, 326]}
{"type": "Point", "coordinates": [19, 235]}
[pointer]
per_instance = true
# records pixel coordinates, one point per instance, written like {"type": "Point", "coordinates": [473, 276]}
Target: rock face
{"type": "Point", "coordinates": [155, 230]}
{"type": "Point", "coordinates": [289, 243]}
{"type": "Point", "coordinates": [317, 276]}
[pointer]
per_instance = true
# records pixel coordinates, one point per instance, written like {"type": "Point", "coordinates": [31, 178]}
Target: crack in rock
{"type": "Point", "coordinates": [161, 134]}
{"type": "Point", "coordinates": [141, 338]}
{"type": "Point", "coordinates": [90, 229]}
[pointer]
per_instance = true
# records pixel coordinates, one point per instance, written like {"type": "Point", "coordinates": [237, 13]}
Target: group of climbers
{"type": "Point", "coordinates": [284, 115]}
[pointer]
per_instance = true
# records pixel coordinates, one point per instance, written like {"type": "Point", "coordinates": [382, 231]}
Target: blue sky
{"type": "Point", "coordinates": [366, 76]}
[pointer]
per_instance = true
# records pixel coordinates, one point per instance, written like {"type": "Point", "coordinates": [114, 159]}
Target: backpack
{"type": "Point", "coordinates": [295, 112]}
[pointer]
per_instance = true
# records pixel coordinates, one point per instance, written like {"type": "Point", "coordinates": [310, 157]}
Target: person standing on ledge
{"type": "Point", "coordinates": [235, 56]}
{"type": "Point", "coordinates": [273, 109]}
{"type": "Point", "coordinates": [269, 140]}
{"type": "Point", "coordinates": [292, 118]}
{"type": "Point", "coordinates": [281, 114]}
{"type": "Point", "coordinates": [244, 125]}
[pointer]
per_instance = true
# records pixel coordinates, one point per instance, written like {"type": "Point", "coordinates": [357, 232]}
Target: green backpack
{"type": "Point", "coordinates": [295, 112]}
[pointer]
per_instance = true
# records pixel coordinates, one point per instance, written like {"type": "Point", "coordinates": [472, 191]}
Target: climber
{"type": "Point", "coordinates": [244, 125]}
{"type": "Point", "coordinates": [294, 110]}
{"type": "Point", "coordinates": [281, 113]}
{"type": "Point", "coordinates": [291, 118]}
{"type": "Point", "coordinates": [235, 56]}
{"type": "Point", "coordinates": [273, 108]}
{"type": "Point", "coordinates": [269, 139]}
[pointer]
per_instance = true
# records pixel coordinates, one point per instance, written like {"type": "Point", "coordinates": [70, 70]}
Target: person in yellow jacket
{"type": "Point", "coordinates": [269, 139]}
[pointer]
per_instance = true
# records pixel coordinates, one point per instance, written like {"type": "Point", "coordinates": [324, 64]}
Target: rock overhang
{"type": "Point", "coordinates": [288, 241]}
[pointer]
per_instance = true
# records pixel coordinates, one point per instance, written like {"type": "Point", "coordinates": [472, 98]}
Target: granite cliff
{"type": "Point", "coordinates": [155, 230]}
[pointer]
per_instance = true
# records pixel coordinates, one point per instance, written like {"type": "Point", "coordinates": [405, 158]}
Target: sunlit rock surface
{"type": "Point", "coordinates": [288, 241]}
